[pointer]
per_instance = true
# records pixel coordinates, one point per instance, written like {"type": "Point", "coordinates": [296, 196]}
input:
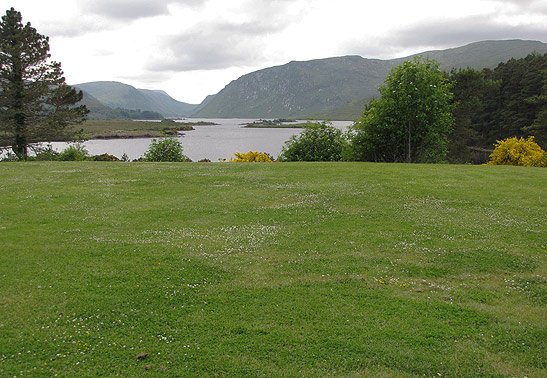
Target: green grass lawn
{"type": "Point", "coordinates": [273, 270]}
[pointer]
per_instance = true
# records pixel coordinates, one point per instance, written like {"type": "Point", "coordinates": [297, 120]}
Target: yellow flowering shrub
{"type": "Point", "coordinates": [251, 157]}
{"type": "Point", "coordinates": [513, 151]}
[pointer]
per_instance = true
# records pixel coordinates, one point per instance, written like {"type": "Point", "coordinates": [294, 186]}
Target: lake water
{"type": "Point", "coordinates": [212, 142]}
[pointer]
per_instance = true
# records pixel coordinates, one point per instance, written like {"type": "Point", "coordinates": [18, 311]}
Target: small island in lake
{"type": "Point", "coordinates": [280, 123]}
{"type": "Point", "coordinates": [117, 129]}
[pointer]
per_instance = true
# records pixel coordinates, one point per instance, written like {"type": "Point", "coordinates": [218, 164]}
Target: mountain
{"type": "Point", "coordinates": [298, 88]}
{"type": "Point", "coordinates": [118, 95]}
{"type": "Point", "coordinates": [97, 110]}
{"type": "Point", "coordinates": [486, 54]}
{"type": "Point", "coordinates": [166, 105]}
{"type": "Point", "coordinates": [337, 87]}
{"type": "Point", "coordinates": [206, 101]}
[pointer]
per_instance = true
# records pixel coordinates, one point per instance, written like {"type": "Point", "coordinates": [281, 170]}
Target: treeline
{"type": "Point", "coordinates": [490, 105]}
{"type": "Point", "coordinates": [425, 115]}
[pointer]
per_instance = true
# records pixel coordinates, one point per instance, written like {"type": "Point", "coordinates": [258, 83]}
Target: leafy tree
{"type": "Point", "coordinates": [318, 142]}
{"type": "Point", "coordinates": [412, 119]}
{"type": "Point", "coordinates": [35, 103]}
{"type": "Point", "coordinates": [165, 149]}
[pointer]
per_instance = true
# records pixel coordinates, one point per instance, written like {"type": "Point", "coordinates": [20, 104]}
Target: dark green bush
{"type": "Point", "coordinates": [318, 142]}
{"type": "Point", "coordinates": [165, 149]}
{"type": "Point", "coordinates": [75, 152]}
{"type": "Point", "coordinates": [46, 154]}
{"type": "Point", "coordinates": [105, 157]}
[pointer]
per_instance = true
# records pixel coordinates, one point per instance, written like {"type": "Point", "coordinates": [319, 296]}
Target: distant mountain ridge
{"type": "Point", "coordinates": [323, 87]}
{"type": "Point", "coordinates": [330, 88]}
{"type": "Point", "coordinates": [115, 95]}
{"type": "Point", "coordinates": [298, 89]}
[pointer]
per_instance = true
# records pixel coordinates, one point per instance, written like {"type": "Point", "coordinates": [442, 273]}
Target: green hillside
{"type": "Point", "coordinates": [486, 54]}
{"type": "Point", "coordinates": [97, 110]}
{"type": "Point", "coordinates": [118, 95]}
{"type": "Point", "coordinates": [166, 105]}
{"type": "Point", "coordinates": [298, 89]}
{"type": "Point", "coordinates": [351, 111]}
{"type": "Point", "coordinates": [332, 87]}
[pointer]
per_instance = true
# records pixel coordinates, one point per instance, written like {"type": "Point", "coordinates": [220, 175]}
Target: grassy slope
{"type": "Point", "coordinates": [93, 128]}
{"type": "Point", "coordinates": [345, 269]}
{"type": "Point", "coordinates": [127, 128]}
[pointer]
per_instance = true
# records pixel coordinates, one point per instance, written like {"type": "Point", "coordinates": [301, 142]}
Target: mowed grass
{"type": "Point", "coordinates": [274, 270]}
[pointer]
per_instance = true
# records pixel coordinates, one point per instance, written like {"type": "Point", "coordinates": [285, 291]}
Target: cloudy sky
{"type": "Point", "coordinates": [192, 48]}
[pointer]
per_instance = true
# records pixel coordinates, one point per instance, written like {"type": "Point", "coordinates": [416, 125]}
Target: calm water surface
{"type": "Point", "coordinates": [212, 142]}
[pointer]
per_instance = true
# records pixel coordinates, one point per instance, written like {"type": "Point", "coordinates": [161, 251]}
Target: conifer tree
{"type": "Point", "coordinates": [515, 109]}
{"type": "Point", "coordinates": [35, 102]}
{"type": "Point", "coordinates": [470, 88]}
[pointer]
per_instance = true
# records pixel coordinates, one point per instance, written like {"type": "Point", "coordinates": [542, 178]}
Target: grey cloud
{"type": "Point", "coordinates": [531, 7]}
{"type": "Point", "coordinates": [222, 44]}
{"type": "Point", "coordinates": [147, 78]}
{"type": "Point", "coordinates": [537, 5]}
{"type": "Point", "coordinates": [457, 32]}
{"type": "Point", "coordinates": [213, 49]}
{"type": "Point", "coordinates": [368, 48]}
{"type": "Point", "coordinates": [129, 10]}
{"type": "Point", "coordinates": [75, 27]}
{"type": "Point", "coordinates": [125, 9]}
{"type": "Point", "coordinates": [442, 34]}
{"type": "Point", "coordinates": [273, 11]}
{"type": "Point", "coordinates": [97, 15]}
{"type": "Point", "coordinates": [66, 30]}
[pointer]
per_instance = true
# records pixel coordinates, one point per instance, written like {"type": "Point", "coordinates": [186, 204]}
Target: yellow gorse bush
{"type": "Point", "coordinates": [513, 151]}
{"type": "Point", "coordinates": [251, 157]}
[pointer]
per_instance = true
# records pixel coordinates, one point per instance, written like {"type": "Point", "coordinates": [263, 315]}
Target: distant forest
{"type": "Point", "coordinates": [490, 105]}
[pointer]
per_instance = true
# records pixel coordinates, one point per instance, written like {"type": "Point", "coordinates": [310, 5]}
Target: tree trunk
{"type": "Point", "coordinates": [20, 143]}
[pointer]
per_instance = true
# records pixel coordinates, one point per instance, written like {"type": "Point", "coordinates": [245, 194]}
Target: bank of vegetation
{"type": "Point", "coordinates": [111, 129]}
{"type": "Point", "coordinates": [275, 123]}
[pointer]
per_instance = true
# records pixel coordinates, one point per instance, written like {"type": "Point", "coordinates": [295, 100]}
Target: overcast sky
{"type": "Point", "coordinates": [192, 48]}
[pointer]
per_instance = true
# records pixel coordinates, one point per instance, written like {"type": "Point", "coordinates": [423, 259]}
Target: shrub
{"type": "Point", "coordinates": [318, 142]}
{"type": "Point", "coordinates": [165, 149]}
{"type": "Point", "coordinates": [513, 151]}
{"type": "Point", "coordinates": [46, 153]}
{"type": "Point", "coordinates": [74, 152]}
{"type": "Point", "coordinates": [252, 157]}
{"type": "Point", "coordinates": [47, 156]}
{"type": "Point", "coordinates": [105, 157]}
